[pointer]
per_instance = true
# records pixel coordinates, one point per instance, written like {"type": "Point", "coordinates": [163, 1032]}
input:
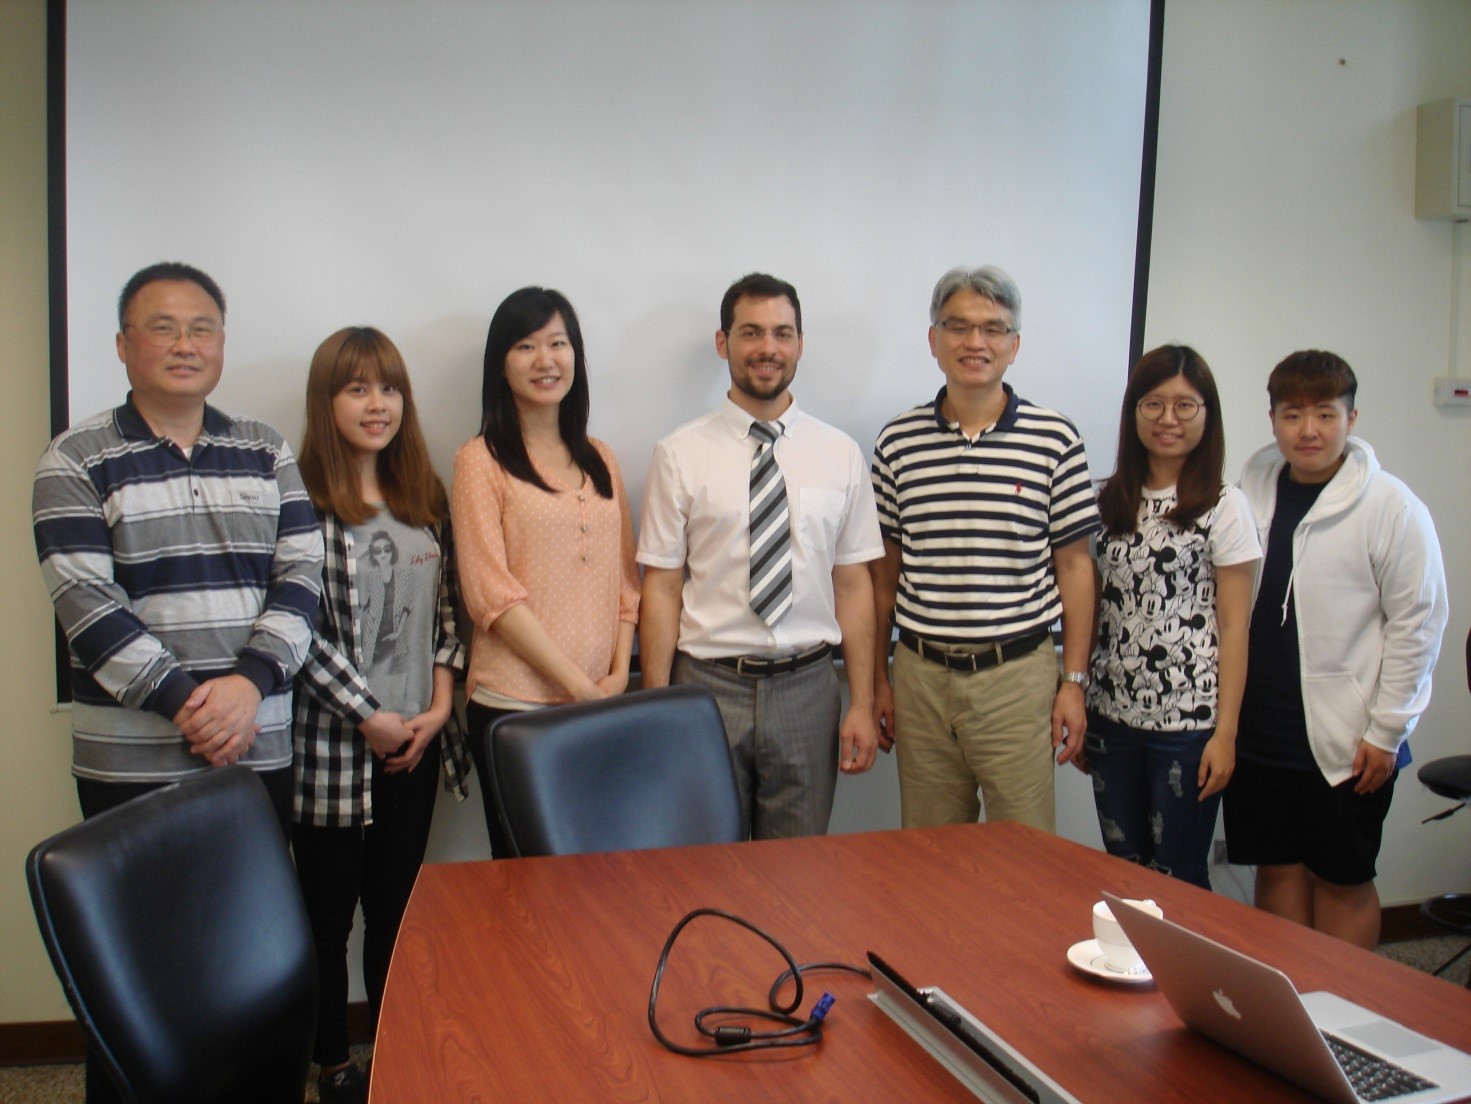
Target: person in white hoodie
{"type": "Point", "coordinates": [1345, 631]}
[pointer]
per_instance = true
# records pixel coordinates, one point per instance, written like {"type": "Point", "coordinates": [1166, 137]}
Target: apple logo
{"type": "Point", "coordinates": [1226, 1005]}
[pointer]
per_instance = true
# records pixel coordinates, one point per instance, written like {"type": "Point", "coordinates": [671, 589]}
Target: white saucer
{"type": "Point", "coordinates": [1088, 957]}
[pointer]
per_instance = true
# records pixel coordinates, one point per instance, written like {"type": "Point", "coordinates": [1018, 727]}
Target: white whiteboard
{"type": "Point", "coordinates": [405, 165]}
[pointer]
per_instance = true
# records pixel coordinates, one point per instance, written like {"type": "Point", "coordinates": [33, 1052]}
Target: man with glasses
{"type": "Point", "coordinates": [758, 526]}
{"type": "Point", "coordinates": [183, 558]}
{"type": "Point", "coordinates": [1345, 631]}
{"type": "Point", "coordinates": [986, 509]}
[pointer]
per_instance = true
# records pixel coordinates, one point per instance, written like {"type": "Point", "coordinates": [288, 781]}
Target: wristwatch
{"type": "Point", "coordinates": [1079, 677]}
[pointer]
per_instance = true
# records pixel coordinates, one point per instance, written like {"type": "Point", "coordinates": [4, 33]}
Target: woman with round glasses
{"type": "Point", "coordinates": [1176, 560]}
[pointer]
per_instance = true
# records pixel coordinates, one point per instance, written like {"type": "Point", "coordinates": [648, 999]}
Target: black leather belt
{"type": "Point", "coordinates": [988, 655]}
{"type": "Point", "coordinates": [752, 666]}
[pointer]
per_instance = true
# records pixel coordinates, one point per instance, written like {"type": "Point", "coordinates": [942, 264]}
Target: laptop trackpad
{"type": "Point", "coordinates": [1389, 1039]}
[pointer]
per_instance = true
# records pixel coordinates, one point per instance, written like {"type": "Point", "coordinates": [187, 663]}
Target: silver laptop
{"type": "Point", "coordinates": [1316, 1040]}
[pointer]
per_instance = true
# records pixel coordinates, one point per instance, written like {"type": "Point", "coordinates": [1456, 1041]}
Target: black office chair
{"type": "Point", "coordinates": [647, 769]}
{"type": "Point", "coordinates": [1450, 778]}
{"type": "Point", "coordinates": [177, 927]}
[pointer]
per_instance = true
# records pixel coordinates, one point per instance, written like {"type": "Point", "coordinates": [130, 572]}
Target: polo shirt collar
{"type": "Point", "coordinates": [1006, 421]}
{"type": "Point", "coordinates": [738, 420]}
{"type": "Point", "coordinates": [130, 422]}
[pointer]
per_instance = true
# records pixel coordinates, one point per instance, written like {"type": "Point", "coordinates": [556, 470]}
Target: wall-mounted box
{"type": "Point", "coordinates": [1450, 391]}
{"type": "Point", "coordinates": [1443, 160]}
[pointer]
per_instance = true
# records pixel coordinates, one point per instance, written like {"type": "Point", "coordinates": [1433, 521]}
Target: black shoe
{"type": "Point", "coordinates": [343, 1086]}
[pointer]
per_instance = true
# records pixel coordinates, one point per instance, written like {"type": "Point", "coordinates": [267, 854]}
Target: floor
{"type": "Point", "coordinates": [63, 1084]}
{"type": "Point", "coordinates": [66, 1085]}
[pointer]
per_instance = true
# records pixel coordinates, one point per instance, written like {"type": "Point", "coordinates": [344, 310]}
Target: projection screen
{"type": "Point", "coordinates": [336, 162]}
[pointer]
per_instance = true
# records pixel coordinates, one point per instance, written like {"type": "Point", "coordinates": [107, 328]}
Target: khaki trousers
{"type": "Point", "coordinates": [960, 731]}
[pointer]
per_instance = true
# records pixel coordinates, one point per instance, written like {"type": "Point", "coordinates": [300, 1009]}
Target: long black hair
{"type": "Point", "coordinates": [521, 313]}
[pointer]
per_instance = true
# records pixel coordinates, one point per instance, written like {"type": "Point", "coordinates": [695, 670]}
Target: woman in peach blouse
{"type": "Point", "coordinates": [543, 531]}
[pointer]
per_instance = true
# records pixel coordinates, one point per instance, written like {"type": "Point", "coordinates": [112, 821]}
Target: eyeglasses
{"type": "Point", "coordinates": [961, 329]}
{"type": "Point", "coordinates": [163, 332]}
{"type": "Point", "coordinates": [1185, 410]}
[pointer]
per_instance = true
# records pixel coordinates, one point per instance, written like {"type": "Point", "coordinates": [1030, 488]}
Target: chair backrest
{"type": "Point", "coordinates": [178, 930]}
{"type": "Point", "coordinates": [647, 769]}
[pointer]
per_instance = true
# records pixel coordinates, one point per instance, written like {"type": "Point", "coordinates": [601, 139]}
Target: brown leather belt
{"type": "Point", "coordinates": [754, 666]}
{"type": "Point", "coordinates": [988, 655]}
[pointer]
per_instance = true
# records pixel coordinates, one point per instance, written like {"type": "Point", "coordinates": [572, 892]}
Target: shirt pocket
{"type": "Point", "coordinates": [819, 514]}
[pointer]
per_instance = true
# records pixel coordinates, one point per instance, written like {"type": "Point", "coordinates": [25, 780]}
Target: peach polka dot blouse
{"type": "Point", "coordinates": [569, 556]}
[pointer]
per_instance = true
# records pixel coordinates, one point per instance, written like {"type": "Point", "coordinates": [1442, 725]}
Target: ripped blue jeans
{"type": "Point", "coordinates": [1145, 792]}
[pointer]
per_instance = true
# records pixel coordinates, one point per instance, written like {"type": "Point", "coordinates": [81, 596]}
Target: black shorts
{"type": "Point", "coordinates": [1280, 817]}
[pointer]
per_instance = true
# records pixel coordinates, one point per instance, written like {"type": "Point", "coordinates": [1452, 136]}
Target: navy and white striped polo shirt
{"type": "Point", "coordinates": [166, 570]}
{"type": "Point", "coordinates": [976, 520]}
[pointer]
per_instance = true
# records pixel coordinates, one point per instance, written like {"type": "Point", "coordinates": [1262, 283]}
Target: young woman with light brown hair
{"type": "Point", "coordinates": [374, 705]}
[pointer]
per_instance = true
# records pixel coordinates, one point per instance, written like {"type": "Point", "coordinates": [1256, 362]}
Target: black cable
{"type": "Point", "coordinates": [811, 967]}
{"type": "Point", "coordinates": [739, 1038]}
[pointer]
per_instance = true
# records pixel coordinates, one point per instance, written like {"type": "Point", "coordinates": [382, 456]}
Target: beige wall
{"type": "Point", "coordinates": [36, 792]}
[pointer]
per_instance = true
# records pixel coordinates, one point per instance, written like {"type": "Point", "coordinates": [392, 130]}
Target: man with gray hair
{"type": "Point", "coordinates": [986, 509]}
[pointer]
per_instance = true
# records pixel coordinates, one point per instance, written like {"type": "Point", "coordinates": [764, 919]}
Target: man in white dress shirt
{"type": "Point", "coordinates": [755, 619]}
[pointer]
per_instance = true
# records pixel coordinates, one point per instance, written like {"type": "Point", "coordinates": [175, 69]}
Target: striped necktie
{"type": "Point", "coordinates": [771, 540]}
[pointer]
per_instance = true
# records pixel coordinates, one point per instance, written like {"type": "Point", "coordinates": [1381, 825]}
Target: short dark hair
{"type": "Point", "coordinates": [167, 270]}
{"type": "Point", "coordinates": [1312, 376]}
{"type": "Point", "coordinates": [757, 285]}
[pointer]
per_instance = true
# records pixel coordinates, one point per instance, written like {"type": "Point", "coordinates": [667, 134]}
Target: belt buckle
{"type": "Point", "coordinates": [955, 661]}
{"type": "Point", "coordinates": [741, 667]}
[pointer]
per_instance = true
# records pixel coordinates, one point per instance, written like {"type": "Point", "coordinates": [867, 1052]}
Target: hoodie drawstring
{"type": "Point", "coordinates": [1299, 539]}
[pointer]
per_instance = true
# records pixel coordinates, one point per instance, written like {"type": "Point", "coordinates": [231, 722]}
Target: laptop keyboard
{"type": "Point", "coordinates": [1372, 1077]}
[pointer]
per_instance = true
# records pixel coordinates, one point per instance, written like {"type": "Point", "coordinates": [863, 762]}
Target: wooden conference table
{"type": "Point", "coordinates": [528, 979]}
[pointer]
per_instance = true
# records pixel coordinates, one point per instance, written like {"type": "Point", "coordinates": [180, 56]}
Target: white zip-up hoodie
{"type": "Point", "coordinates": [1371, 603]}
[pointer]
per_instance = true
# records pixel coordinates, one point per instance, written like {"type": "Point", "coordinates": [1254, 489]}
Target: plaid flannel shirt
{"type": "Point", "coordinates": [332, 763]}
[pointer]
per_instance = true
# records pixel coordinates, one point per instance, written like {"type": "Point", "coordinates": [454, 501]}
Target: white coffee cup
{"type": "Point", "coordinates": [1119, 954]}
